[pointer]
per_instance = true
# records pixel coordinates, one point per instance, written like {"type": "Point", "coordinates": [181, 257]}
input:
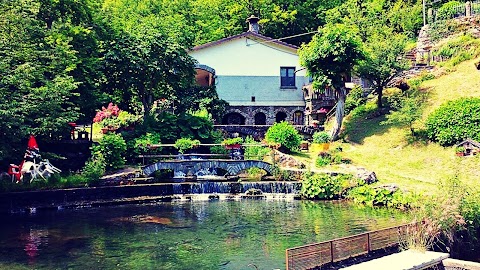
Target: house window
{"type": "Point", "coordinates": [287, 77]}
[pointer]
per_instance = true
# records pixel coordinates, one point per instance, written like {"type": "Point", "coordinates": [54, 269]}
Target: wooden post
{"type": "Point", "coordinates": [331, 251]}
{"type": "Point", "coordinates": [368, 242]}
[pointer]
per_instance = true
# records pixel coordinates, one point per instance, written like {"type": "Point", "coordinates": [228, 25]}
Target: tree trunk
{"type": "Point", "coordinates": [379, 91]}
{"type": "Point", "coordinates": [146, 105]}
{"type": "Point", "coordinates": [339, 112]}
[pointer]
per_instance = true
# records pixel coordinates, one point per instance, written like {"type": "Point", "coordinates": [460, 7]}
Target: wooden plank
{"type": "Point", "coordinates": [405, 260]}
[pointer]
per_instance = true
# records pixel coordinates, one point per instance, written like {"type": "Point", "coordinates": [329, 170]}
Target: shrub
{"type": "Point", "coordinates": [354, 99]}
{"type": "Point", "coordinates": [184, 144]}
{"type": "Point", "coordinates": [449, 10]}
{"type": "Point", "coordinates": [323, 159]}
{"type": "Point", "coordinates": [284, 134]}
{"type": "Point", "coordinates": [113, 148]}
{"type": "Point", "coordinates": [324, 186]}
{"type": "Point", "coordinates": [232, 141]}
{"type": "Point", "coordinates": [371, 196]}
{"type": "Point", "coordinates": [255, 152]}
{"type": "Point", "coordinates": [454, 121]}
{"type": "Point", "coordinates": [321, 137]}
{"type": "Point", "coordinates": [331, 157]}
{"type": "Point", "coordinates": [94, 168]}
{"type": "Point", "coordinates": [142, 143]}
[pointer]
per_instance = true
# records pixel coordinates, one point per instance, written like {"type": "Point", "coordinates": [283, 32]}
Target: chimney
{"type": "Point", "coordinates": [253, 25]}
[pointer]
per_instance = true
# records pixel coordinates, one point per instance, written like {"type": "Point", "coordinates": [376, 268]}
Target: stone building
{"type": "Point", "coordinates": [258, 76]}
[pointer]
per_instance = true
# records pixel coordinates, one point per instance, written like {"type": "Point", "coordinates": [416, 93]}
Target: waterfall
{"type": "Point", "coordinates": [206, 187]}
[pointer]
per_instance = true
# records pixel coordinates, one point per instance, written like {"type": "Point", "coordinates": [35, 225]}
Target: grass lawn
{"type": "Point", "coordinates": [418, 166]}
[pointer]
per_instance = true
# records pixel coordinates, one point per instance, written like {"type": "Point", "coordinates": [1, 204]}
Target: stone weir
{"type": "Point", "coordinates": [115, 195]}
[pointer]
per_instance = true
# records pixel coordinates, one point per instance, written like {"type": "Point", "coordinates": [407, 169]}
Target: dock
{"type": "Point", "coordinates": [405, 260]}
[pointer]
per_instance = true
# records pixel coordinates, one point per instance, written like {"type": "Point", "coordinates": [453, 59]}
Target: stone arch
{"type": "Point", "coordinates": [233, 167]}
{"type": "Point", "coordinates": [260, 118]}
{"type": "Point", "coordinates": [234, 117]}
{"type": "Point", "coordinates": [280, 115]}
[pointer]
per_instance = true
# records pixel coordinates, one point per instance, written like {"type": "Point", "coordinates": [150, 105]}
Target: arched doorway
{"type": "Point", "coordinates": [205, 75]}
{"type": "Point", "coordinates": [298, 118]}
{"type": "Point", "coordinates": [260, 119]}
{"type": "Point", "coordinates": [233, 118]}
{"type": "Point", "coordinates": [281, 116]}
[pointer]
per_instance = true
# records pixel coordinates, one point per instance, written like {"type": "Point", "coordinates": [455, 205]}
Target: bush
{"type": "Point", "coordinates": [354, 99]}
{"type": "Point", "coordinates": [284, 134]}
{"type": "Point", "coordinates": [255, 152]}
{"type": "Point", "coordinates": [454, 121]}
{"type": "Point", "coordinates": [371, 196]}
{"type": "Point", "coordinates": [184, 144]}
{"type": "Point", "coordinates": [321, 137]}
{"type": "Point", "coordinates": [324, 186]}
{"type": "Point", "coordinates": [113, 148]}
{"type": "Point", "coordinates": [94, 168]}
{"type": "Point", "coordinates": [449, 10]}
{"type": "Point", "coordinates": [232, 141]}
{"type": "Point", "coordinates": [142, 143]}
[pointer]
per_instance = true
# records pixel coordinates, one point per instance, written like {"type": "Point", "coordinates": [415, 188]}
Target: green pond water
{"type": "Point", "coordinates": [180, 235]}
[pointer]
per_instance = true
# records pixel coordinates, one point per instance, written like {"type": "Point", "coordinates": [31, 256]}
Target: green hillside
{"type": "Point", "coordinates": [419, 165]}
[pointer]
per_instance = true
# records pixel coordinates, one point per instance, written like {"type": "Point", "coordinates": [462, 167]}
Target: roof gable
{"type": "Point", "coordinates": [251, 35]}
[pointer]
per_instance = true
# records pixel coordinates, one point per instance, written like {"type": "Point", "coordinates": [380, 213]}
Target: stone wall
{"type": "Point", "coordinates": [249, 112]}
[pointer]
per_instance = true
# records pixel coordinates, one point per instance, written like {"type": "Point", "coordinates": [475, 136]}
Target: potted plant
{"type": "Point", "coordinates": [233, 143]}
{"type": "Point", "coordinates": [460, 151]}
{"type": "Point", "coordinates": [322, 138]}
{"type": "Point", "coordinates": [184, 144]}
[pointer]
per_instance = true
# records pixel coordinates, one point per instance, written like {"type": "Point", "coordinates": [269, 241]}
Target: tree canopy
{"type": "Point", "coordinates": [61, 60]}
{"type": "Point", "coordinates": [329, 57]}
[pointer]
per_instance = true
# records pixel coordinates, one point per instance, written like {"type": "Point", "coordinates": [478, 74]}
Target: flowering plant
{"type": "Point", "coordinates": [109, 112]}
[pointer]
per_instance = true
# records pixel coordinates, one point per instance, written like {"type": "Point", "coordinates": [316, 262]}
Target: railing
{"type": "Point", "coordinates": [318, 254]}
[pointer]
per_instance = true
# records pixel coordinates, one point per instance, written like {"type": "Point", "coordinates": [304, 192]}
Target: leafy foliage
{"type": "Point", "coordinates": [459, 49]}
{"type": "Point", "coordinates": [407, 111]}
{"type": "Point", "coordinates": [355, 98]}
{"type": "Point", "coordinates": [112, 147]}
{"type": "Point", "coordinates": [184, 144]}
{"type": "Point", "coordinates": [284, 134]}
{"type": "Point", "coordinates": [148, 68]}
{"type": "Point", "coordinates": [321, 137]}
{"type": "Point", "coordinates": [257, 152]}
{"type": "Point", "coordinates": [448, 10]}
{"type": "Point", "coordinates": [331, 55]}
{"type": "Point", "coordinates": [454, 121]}
{"type": "Point", "coordinates": [232, 141]}
{"type": "Point", "coordinates": [369, 195]}
{"type": "Point", "coordinates": [324, 186]}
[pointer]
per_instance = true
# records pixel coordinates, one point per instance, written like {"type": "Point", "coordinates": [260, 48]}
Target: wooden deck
{"type": "Point", "coordinates": [409, 259]}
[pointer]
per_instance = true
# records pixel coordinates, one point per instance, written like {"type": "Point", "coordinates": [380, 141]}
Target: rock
{"type": "Point", "coordinates": [253, 191]}
{"type": "Point", "coordinates": [284, 160]}
{"type": "Point", "coordinates": [390, 187]}
{"type": "Point", "coordinates": [368, 176]}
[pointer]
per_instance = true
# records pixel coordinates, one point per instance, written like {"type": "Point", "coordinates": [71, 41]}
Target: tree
{"type": "Point", "coordinates": [383, 59]}
{"type": "Point", "coordinates": [149, 69]}
{"type": "Point", "coordinates": [35, 84]}
{"type": "Point", "coordinates": [331, 55]}
{"type": "Point", "coordinates": [409, 110]}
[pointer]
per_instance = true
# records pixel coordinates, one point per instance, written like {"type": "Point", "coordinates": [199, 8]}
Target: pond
{"type": "Point", "coordinates": [180, 235]}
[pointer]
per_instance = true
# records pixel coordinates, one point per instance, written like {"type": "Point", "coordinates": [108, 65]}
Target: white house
{"type": "Point", "coordinates": [258, 76]}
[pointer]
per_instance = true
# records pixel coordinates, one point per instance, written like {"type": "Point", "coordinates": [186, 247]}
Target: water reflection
{"type": "Point", "coordinates": [193, 235]}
